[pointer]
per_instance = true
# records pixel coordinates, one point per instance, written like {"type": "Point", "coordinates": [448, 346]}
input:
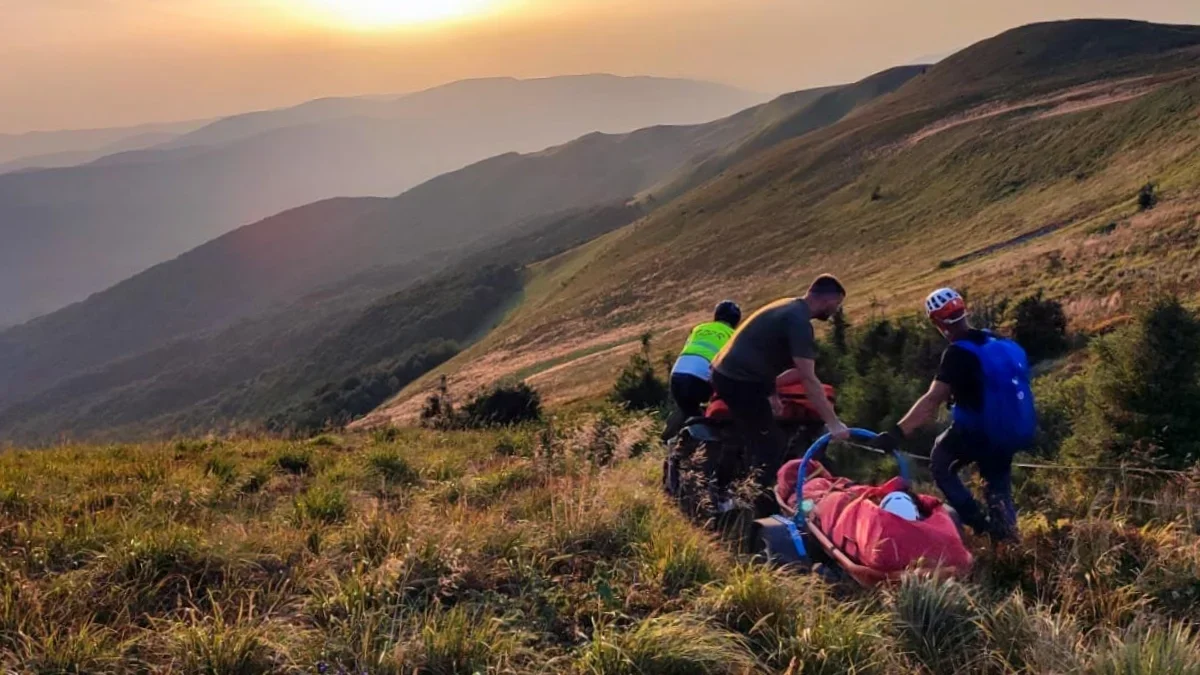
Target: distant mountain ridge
{"type": "Point", "coordinates": [510, 209]}
{"type": "Point", "coordinates": [130, 211]}
{"type": "Point", "coordinates": [23, 146]}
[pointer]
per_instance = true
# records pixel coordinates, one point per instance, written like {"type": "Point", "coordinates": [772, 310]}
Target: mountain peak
{"type": "Point", "coordinates": [1076, 48]}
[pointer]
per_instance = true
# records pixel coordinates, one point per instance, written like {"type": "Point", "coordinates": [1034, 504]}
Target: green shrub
{"type": "Point", "coordinates": [1059, 405]}
{"type": "Point", "coordinates": [1147, 198]}
{"type": "Point", "coordinates": [878, 397]}
{"type": "Point", "coordinates": [337, 404]}
{"type": "Point", "coordinates": [1039, 325]}
{"type": "Point", "coordinates": [438, 410]}
{"type": "Point", "coordinates": [503, 406]}
{"type": "Point", "coordinates": [638, 387]}
{"type": "Point", "coordinates": [1142, 399]}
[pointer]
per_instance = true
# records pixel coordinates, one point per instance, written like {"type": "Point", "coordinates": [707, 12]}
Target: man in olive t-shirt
{"type": "Point", "coordinates": [775, 346]}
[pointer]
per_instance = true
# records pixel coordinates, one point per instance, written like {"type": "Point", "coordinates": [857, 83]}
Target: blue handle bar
{"type": "Point", "coordinates": [816, 449]}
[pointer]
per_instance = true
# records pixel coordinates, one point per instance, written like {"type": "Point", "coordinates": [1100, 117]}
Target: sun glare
{"type": "Point", "coordinates": [395, 13]}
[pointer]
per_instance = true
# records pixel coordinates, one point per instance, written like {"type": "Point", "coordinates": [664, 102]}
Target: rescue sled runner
{"type": "Point", "coordinates": [827, 518]}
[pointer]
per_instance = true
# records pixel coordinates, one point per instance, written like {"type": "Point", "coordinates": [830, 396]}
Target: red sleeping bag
{"type": "Point", "coordinates": [874, 544]}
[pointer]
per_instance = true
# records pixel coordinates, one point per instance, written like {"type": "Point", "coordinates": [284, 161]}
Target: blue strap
{"type": "Point", "coordinates": [794, 531]}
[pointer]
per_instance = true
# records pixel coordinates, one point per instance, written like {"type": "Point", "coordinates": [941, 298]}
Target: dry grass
{"type": "Point", "coordinates": [529, 551]}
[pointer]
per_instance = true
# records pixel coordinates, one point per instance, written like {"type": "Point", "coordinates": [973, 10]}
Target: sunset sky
{"type": "Point", "coordinates": [92, 63]}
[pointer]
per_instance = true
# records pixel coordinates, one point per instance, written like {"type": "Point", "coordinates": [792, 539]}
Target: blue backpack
{"type": "Point", "coordinates": [1008, 417]}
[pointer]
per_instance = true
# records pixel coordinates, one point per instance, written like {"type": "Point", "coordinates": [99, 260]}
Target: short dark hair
{"type": "Point", "coordinates": [827, 284]}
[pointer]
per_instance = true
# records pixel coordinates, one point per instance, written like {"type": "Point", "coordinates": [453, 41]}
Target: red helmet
{"type": "Point", "coordinates": [945, 306]}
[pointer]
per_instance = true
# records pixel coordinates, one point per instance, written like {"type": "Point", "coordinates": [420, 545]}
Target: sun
{"type": "Point", "coordinates": [370, 14]}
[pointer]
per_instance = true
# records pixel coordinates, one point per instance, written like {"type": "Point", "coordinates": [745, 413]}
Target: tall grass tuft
{"type": "Point", "coordinates": [937, 622]}
{"type": "Point", "coordinates": [360, 616]}
{"type": "Point", "coordinates": [297, 461]}
{"type": "Point", "coordinates": [677, 557]}
{"type": "Point", "coordinates": [87, 648]}
{"type": "Point", "coordinates": [212, 644]}
{"type": "Point", "coordinates": [1025, 639]}
{"type": "Point", "coordinates": [322, 504]}
{"type": "Point", "coordinates": [672, 644]}
{"type": "Point", "coordinates": [221, 468]}
{"type": "Point", "coordinates": [756, 598]}
{"type": "Point", "coordinates": [1162, 649]}
{"type": "Point", "coordinates": [837, 637]}
{"type": "Point", "coordinates": [461, 641]}
{"type": "Point", "coordinates": [393, 468]}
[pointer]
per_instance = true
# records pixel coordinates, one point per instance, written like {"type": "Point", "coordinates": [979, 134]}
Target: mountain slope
{"type": "Point", "coordinates": [505, 96]}
{"type": "Point", "coordinates": [509, 210]}
{"type": "Point", "coordinates": [133, 210]}
{"type": "Point", "coordinates": [15, 147]}
{"type": "Point", "coordinates": [998, 187]}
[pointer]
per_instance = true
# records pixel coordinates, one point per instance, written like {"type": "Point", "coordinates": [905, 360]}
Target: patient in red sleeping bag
{"type": "Point", "coordinates": [850, 517]}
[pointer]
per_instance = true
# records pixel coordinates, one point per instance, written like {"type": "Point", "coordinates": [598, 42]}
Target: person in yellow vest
{"type": "Point", "coordinates": [692, 372]}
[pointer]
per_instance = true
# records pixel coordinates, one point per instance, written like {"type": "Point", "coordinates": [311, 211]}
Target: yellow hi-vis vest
{"type": "Point", "coordinates": [707, 339]}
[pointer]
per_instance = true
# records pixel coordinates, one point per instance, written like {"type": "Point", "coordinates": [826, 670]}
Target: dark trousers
{"type": "Point", "coordinates": [957, 448]}
{"type": "Point", "coordinates": [689, 393]}
{"type": "Point", "coordinates": [750, 405]}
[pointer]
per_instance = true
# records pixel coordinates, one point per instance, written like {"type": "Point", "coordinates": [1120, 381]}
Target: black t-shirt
{"type": "Point", "coordinates": [962, 371]}
{"type": "Point", "coordinates": [765, 344]}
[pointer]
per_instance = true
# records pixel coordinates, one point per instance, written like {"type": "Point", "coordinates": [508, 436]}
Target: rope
{"type": "Point", "coordinates": [1050, 467]}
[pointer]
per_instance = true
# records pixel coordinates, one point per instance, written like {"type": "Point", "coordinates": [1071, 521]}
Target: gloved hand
{"type": "Point", "coordinates": [839, 432]}
{"type": "Point", "coordinates": [888, 441]}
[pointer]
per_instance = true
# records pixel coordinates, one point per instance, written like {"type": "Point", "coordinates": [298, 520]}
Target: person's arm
{"type": "Point", "coordinates": [790, 377]}
{"type": "Point", "coordinates": [925, 409]}
{"type": "Point", "coordinates": [805, 373]}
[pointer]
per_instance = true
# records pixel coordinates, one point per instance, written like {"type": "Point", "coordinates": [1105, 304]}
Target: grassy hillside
{"type": "Point", "coordinates": [528, 551]}
{"type": "Point", "coordinates": [276, 364]}
{"type": "Point", "coordinates": [133, 210]}
{"type": "Point", "coordinates": [989, 171]}
{"type": "Point", "coordinates": [183, 340]}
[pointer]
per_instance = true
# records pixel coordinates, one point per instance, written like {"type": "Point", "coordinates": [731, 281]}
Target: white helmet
{"type": "Point", "coordinates": [901, 504]}
{"type": "Point", "coordinates": [945, 306]}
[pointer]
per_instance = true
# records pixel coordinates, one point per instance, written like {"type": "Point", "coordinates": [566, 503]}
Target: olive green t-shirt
{"type": "Point", "coordinates": [766, 344]}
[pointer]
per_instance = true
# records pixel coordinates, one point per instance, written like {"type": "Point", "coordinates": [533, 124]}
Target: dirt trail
{"type": "Point", "coordinates": [1007, 243]}
{"type": "Point", "coordinates": [1072, 100]}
